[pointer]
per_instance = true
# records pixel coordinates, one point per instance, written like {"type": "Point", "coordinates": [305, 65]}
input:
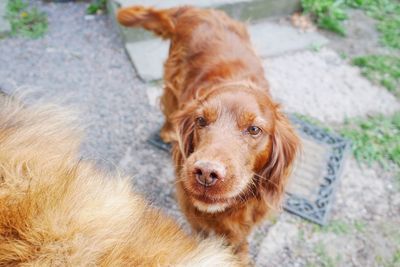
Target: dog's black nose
{"type": "Point", "coordinates": [207, 172]}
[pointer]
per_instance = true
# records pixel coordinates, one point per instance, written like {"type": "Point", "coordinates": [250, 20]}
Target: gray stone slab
{"type": "Point", "coordinates": [4, 24]}
{"type": "Point", "coordinates": [246, 10]}
{"type": "Point", "coordinates": [148, 57]}
{"type": "Point", "coordinates": [269, 39]}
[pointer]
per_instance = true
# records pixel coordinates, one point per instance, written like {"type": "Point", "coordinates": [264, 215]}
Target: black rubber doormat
{"type": "Point", "coordinates": [311, 187]}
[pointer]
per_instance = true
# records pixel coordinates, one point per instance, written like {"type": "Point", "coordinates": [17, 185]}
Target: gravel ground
{"type": "Point", "coordinates": [363, 227]}
{"type": "Point", "coordinates": [81, 62]}
{"type": "Point", "coordinates": [329, 89]}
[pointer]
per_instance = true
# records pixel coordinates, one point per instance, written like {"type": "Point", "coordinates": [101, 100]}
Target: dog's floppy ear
{"type": "Point", "coordinates": [285, 144]}
{"type": "Point", "coordinates": [184, 124]}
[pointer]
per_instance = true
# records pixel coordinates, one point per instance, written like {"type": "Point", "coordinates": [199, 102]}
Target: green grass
{"type": "Point", "coordinates": [313, 121]}
{"type": "Point", "coordinates": [390, 31]}
{"type": "Point", "coordinates": [376, 139]}
{"type": "Point", "coordinates": [384, 70]}
{"type": "Point", "coordinates": [395, 260]}
{"type": "Point", "coordinates": [96, 7]}
{"type": "Point", "coordinates": [25, 20]}
{"type": "Point", "coordinates": [328, 14]}
{"type": "Point", "coordinates": [381, 69]}
{"type": "Point", "coordinates": [359, 226]}
{"type": "Point", "coordinates": [340, 227]}
{"type": "Point", "coordinates": [324, 259]}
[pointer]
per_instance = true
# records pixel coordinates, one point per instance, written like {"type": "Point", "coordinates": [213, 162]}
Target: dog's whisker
{"type": "Point", "coordinates": [266, 180]}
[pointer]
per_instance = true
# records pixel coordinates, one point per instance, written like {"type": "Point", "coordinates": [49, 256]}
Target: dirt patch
{"type": "Point", "coordinates": [362, 37]}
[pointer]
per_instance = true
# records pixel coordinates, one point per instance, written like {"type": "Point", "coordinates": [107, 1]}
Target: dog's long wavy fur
{"type": "Point", "coordinates": [56, 210]}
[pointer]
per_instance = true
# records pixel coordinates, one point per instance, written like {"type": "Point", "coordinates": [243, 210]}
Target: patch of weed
{"type": "Point", "coordinates": [313, 121]}
{"type": "Point", "coordinates": [395, 260]}
{"type": "Point", "coordinates": [96, 7]}
{"type": "Point", "coordinates": [397, 180]}
{"type": "Point", "coordinates": [338, 227]}
{"type": "Point", "coordinates": [26, 20]}
{"type": "Point", "coordinates": [379, 259]}
{"type": "Point", "coordinates": [324, 258]}
{"type": "Point", "coordinates": [343, 55]}
{"type": "Point", "coordinates": [381, 69]}
{"type": "Point", "coordinates": [301, 235]}
{"type": "Point", "coordinates": [376, 139]}
{"type": "Point", "coordinates": [390, 31]}
{"type": "Point", "coordinates": [329, 14]}
{"type": "Point", "coordinates": [359, 226]}
{"type": "Point", "coordinates": [315, 47]}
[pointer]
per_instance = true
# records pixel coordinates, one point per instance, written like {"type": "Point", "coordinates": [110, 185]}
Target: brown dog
{"type": "Point", "coordinates": [57, 210]}
{"type": "Point", "coordinates": [232, 146]}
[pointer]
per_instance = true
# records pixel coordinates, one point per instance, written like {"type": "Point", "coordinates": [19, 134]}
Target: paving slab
{"type": "Point", "coordinates": [273, 39]}
{"type": "Point", "coordinates": [5, 26]}
{"type": "Point", "coordinates": [269, 39]}
{"type": "Point", "coordinates": [148, 57]}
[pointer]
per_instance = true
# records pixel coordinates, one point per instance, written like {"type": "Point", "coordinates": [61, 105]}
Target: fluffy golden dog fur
{"type": "Point", "coordinates": [232, 146]}
{"type": "Point", "coordinates": [57, 210]}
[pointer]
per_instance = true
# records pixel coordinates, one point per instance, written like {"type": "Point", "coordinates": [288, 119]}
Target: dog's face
{"type": "Point", "coordinates": [235, 142]}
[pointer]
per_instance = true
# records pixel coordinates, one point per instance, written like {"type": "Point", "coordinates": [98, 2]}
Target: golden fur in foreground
{"type": "Point", "coordinates": [56, 210]}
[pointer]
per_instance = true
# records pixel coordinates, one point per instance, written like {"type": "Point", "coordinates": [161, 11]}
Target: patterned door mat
{"type": "Point", "coordinates": [312, 185]}
{"type": "Point", "coordinates": [311, 188]}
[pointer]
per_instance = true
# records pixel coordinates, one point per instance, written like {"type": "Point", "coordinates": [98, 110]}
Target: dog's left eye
{"type": "Point", "coordinates": [254, 130]}
{"type": "Point", "coordinates": [201, 122]}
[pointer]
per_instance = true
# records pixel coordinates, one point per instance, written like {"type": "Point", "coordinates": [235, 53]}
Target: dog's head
{"type": "Point", "coordinates": [235, 142]}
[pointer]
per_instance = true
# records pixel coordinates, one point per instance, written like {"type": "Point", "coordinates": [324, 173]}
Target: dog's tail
{"type": "Point", "coordinates": [160, 21]}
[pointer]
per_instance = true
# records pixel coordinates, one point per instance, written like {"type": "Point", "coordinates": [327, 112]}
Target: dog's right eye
{"type": "Point", "coordinates": [201, 122]}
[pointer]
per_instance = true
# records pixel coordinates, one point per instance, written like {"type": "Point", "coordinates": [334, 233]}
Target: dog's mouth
{"type": "Point", "coordinates": [210, 200]}
{"type": "Point", "coordinates": [215, 197]}
{"type": "Point", "coordinates": [209, 204]}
